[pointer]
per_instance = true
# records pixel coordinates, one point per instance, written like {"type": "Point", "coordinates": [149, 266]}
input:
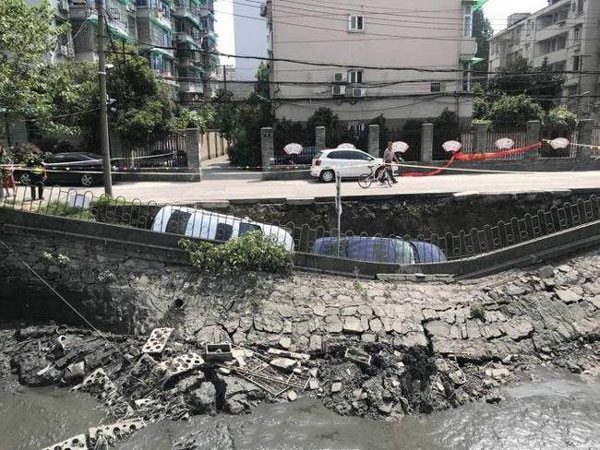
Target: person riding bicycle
{"type": "Point", "coordinates": [389, 157]}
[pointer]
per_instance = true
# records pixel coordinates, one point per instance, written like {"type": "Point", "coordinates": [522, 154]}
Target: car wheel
{"type": "Point", "coordinates": [87, 180]}
{"type": "Point", "coordinates": [25, 179]}
{"type": "Point", "coordinates": [327, 176]}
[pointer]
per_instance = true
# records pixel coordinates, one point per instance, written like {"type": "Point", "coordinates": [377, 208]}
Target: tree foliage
{"type": "Point", "coordinates": [513, 112]}
{"type": "Point", "coordinates": [482, 31]}
{"type": "Point", "coordinates": [28, 34]}
{"type": "Point", "coordinates": [521, 78]}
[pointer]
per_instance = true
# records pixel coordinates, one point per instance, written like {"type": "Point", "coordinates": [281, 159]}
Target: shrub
{"type": "Point", "coordinates": [27, 153]}
{"type": "Point", "coordinates": [63, 209]}
{"type": "Point", "coordinates": [560, 122]}
{"type": "Point", "coordinates": [251, 252]}
{"type": "Point", "coordinates": [512, 112]}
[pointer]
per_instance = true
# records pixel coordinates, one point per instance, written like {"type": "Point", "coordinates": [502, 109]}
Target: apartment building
{"type": "Point", "coordinates": [359, 36]}
{"type": "Point", "coordinates": [564, 35]}
{"type": "Point", "coordinates": [176, 36]}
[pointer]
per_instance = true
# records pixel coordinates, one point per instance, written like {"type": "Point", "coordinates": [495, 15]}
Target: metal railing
{"type": "Point", "coordinates": [394, 249]}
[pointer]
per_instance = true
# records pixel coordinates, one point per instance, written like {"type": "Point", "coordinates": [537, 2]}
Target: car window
{"type": "Point", "coordinates": [336, 155]}
{"type": "Point", "coordinates": [318, 155]}
{"type": "Point", "coordinates": [178, 222]}
{"type": "Point", "coordinates": [224, 232]}
{"type": "Point", "coordinates": [404, 252]}
{"type": "Point", "coordinates": [248, 228]}
{"type": "Point", "coordinates": [363, 156]}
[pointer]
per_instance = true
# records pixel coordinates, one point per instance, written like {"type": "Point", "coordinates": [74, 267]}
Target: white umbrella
{"type": "Point", "coordinates": [293, 149]}
{"type": "Point", "coordinates": [452, 146]}
{"type": "Point", "coordinates": [400, 146]}
{"type": "Point", "coordinates": [505, 144]}
{"type": "Point", "coordinates": [559, 143]}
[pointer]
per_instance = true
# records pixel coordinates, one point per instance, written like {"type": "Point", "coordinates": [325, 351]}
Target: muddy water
{"type": "Point", "coordinates": [34, 418]}
{"type": "Point", "coordinates": [555, 411]}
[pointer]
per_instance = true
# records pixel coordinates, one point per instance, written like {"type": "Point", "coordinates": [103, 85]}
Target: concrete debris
{"type": "Point", "coordinates": [358, 356]}
{"type": "Point", "coordinates": [78, 442]}
{"type": "Point", "coordinates": [336, 387]}
{"type": "Point", "coordinates": [180, 364]}
{"type": "Point", "coordinates": [292, 396]}
{"type": "Point", "coordinates": [204, 399]}
{"type": "Point", "coordinates": [74, 372]}
{"type": "Point", "coordinates": [286, 354]}
{"type": "Point", "coordinates": [285, 364]}
{"type": "Point", "coordinates": [218, 352]}
{"type": "Point", "coordinates": [157, 341]}
{"type": "Point", "coordinates": [498, 374]}
{"type": "Point", "coordinates": [314, 384]}
{"type": "Point", "coordinates": [115, 431]}
{"type": "Point", "coordinates": [568, 296]}
{"type": "Point", "coordinates": [458, 377]}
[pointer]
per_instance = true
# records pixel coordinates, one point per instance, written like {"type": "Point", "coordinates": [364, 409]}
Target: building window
{"type": "Point", "coordinates": [577, 35]}
{"type": "Point", "coordinates": [355, 76]}
{"type": "Point", "coordinates": [468, 21]}
{"type": "Point", "coordinates": [466, 84]}
{"type": "Point", "coordinates": [436, 87]}
{"type": "Point", "coordinates": [356, 23]}
{"type": "Point", "coordinates": [579, 6]}
{"type": "Point", "coordinates": [576, 63]}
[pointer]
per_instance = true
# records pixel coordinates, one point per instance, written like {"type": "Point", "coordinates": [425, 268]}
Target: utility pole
{"type": "Point", "coordinates": [224, 78]}
{"type": "Point", "coordinates": [106, 166]}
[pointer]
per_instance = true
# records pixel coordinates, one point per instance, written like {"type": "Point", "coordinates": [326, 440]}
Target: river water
{"type": "Point", "coordinates": [556, 411]}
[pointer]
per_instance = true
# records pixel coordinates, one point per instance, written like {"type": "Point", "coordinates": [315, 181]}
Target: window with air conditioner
{"type": "Point", "coordinates": [355, 76]}
{"type": "Point", "coordinates": [436, 87]}
{"type": "Point", "coordinates": [356, 23]}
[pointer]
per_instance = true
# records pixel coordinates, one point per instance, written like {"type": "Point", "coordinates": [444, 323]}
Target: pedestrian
{"type": "Point", "coordinates": [7, 175]}
{"type": "Point", "coordinates": [37, 173]}
{"type": "Point", "coordinates": [389, 157]}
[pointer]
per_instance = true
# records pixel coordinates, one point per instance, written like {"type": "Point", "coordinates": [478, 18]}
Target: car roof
{"type": "Point", "coordinates": [329, 150]}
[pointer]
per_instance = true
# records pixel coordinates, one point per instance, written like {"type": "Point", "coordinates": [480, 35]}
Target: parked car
{"type": "Point", "coordinates": [203, 224]}
{"type": "Point", "coordinates": [66, 168]}
{"type": "Point", "coordinates": [381, 250]}
{"type": "Point", "coordinates": [348, 162]}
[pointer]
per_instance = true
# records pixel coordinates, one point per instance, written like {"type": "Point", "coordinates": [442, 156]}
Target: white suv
{"type": "Point", "coordinates": [349, 163]}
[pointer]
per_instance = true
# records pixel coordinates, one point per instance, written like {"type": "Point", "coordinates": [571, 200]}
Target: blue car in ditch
{"type": "Point", "coordinates": [380, 250]}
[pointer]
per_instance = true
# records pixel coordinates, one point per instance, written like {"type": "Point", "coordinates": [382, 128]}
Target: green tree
{"type": "Point", "coordinates": [560, 122]}
{"type": "Point", "coordinates": [144, 110]}
{"type": "Point", "coordinates": [323, 117]}
{"type": "Point", "coordinates": [482, 31]}
{"type": "Point", "coordinates": [27, 36]}
{"type": "Point", "coordinates": [521, 78]}
{"type": "Point", "coordinates": [513, 112]}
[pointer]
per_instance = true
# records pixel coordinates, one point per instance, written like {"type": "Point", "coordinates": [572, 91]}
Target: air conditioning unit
{"type": "Point", "coordinates": [63, 5]}
{"type": "Point", "coordinates": [338, 90]}
{"type": "Point", "coordinates": [359, 92]}
{"type": "Point", "coordinates": [71, 52]}
{"type": "Point", "coordinates": [64, 50]}
{"type": "Point", "coordinates": [340, 77]}
{"type": "Point", "coordinates": [264, 11]}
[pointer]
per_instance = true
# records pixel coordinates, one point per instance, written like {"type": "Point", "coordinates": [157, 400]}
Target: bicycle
{"type": "Point", "coordinates": [366, 179]}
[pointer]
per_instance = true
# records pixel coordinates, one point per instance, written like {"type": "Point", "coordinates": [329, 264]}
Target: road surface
{"type": "Point", "coordinates": [250, 186]}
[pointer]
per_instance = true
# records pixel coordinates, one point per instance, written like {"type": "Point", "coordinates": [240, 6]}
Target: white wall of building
{"type": "Point", "coordinates": [411, 33]}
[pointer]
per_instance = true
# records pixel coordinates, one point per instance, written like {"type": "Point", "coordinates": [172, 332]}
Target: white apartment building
{"type": "Point", "coordinates": [358, 35]}
{"type": "Point", "coordinates": [566, 36]}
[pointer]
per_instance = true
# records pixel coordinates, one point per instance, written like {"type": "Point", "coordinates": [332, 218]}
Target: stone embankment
{"type": "Point", "coordinates": [367, 348]}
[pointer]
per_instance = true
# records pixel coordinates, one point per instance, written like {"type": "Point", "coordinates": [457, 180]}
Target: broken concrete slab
{"type": "Point", "coordinates": [157, 341]}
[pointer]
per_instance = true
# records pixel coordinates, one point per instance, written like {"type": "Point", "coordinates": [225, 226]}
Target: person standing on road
{"type": "Point", "coordinates": [37, 172]}
{"type": "Point", "coordinates": [388, 159]}
{"type": "Point", "coordinates": [6, 173]}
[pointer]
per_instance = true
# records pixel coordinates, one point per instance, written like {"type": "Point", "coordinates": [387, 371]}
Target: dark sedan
{"type": "Point", "coordinates": [75, 168]}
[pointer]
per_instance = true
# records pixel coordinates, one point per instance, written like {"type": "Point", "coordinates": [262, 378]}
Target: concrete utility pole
{"type": "Point", "coordinates": [106, 166]}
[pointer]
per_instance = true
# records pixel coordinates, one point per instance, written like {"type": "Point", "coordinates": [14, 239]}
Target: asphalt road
{"type": "Point", "coordinates": [244, 185]}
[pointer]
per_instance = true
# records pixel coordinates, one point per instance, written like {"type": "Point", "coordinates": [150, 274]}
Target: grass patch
{"type": "Point", "coordinates": [63, 209]}
{"type": "Point", "coordinates": [477, 311]}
